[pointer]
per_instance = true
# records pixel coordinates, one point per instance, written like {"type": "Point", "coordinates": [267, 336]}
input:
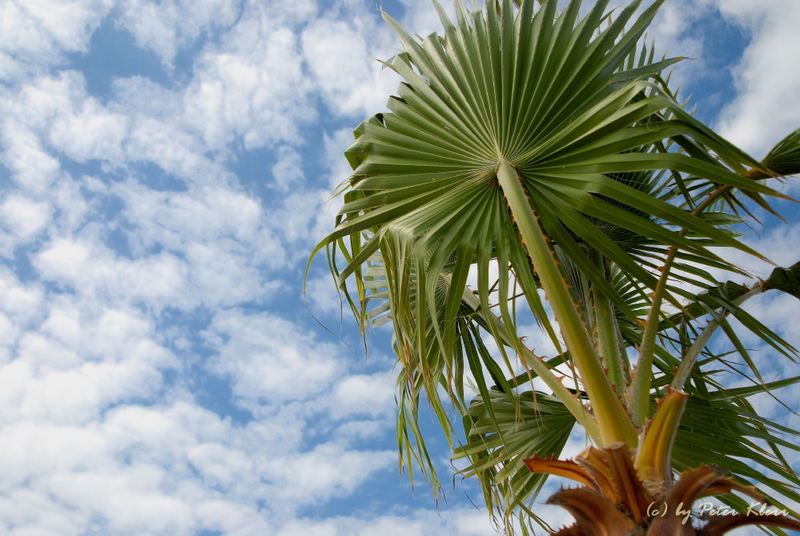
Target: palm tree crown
{"type": "Point", "coordinates": [542, 154]}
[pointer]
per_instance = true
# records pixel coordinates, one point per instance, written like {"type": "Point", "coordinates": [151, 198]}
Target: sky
{"type": "Point", "coordinates": [165, 170]}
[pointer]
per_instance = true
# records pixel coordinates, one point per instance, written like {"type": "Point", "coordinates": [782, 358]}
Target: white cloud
{"type": "Point", "coordinates": [221, 233]}
{"type": "Point", "coordinates": [772, 243]}
{"type": "Point", "coordinates": [30, 165]}
{"type": "Point", "coordinates": [90, 133]}
{"type": "Point", "coordinates": [144, 97]}
{"type": "Point", "coordinates": [365, 394]}
{"type": "Point", "coordinates": [252, 88]}
{"type": "Point", "coordinates": [355, 430]}
{"type": "Point", "coordinates": [56, 112]}
{"type": "Point", "coordinates": [170, 147]}
{"type": "Point", "coordinates": [166, 26]}
{"type": "Point", "coordinates": [464, 522]}
{"type": "Point", "coordinates": [65, 257]}
{"type": "Point", "coordinates": [420, 17]}
{"type": "Point", "coordinates": [303, 216]}
{"type": "Point", "coordinates": [173, 469]}
{"type": "Point", "coordinates": [128, 498]}
{"type": "Point", "coordinates": [22, 303]}
{"type": "Point", "coordinates": [766, 107]}
{"type": "Point", "coordinates": [67, 372]}
{"type": "Point", "coordinates": [24, 216]}
{"type": "Point", "coordinates": [218, 464]}
{"type": "Point", "coordinates": [92, 269]}
{"type": "Point", "coordinates": [45, 98]}
{"type": "Point", "coordinates": [288, 169]}
{"type": "Point", "coordinates": [324, 472]}
{"type": "Point", "coordinates": [34, 34]}
{"type": "Point", "coordinates": [205, 214]}
{"type": "Point", "coordinates": [99, 439]}
{"type": "Point", "coordinates": [672, 36]}
{"type": "Point", "coordinates": [342, 57]}
{"type": "Point", "coordinates": [269, 359]}
{"type": "Point", "coordinates": [210, 243]}
{"type": "Point", "coordinates": [322, 297]}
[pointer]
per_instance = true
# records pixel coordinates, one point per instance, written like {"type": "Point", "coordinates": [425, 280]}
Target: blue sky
{"type": "Point", "coordinates": [165, 169]}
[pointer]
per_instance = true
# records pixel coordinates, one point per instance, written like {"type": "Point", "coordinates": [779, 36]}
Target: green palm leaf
{"type": "Point", "coordinates": [530, 88]}
{"type": "Point", "coordinates": [503, 431]}
{"type": "Point", "coordinates": [723, 429]}
{"type": "Point", "coordinates": [784, 158]}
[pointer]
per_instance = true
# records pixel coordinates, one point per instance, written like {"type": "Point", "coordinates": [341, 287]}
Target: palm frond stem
{"type": "Point", "coordinates": [608, 339]}
{"type": "Point", "coordinates": [643, 378]}
{"type": "Point", "coordinates": [689, 358]}
{"type": "Point", "coordinates": [612, 418]}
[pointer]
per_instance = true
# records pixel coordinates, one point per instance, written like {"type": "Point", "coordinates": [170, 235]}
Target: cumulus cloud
{"type": "Point", "coordinates": [342, 57]}
{"type": "Point", "coordinates": [24, 216]}
{"type": "Point", "coordinates": [269, 359]}
{"type": "Point", "coordinates": [464, 522]}
{"type": "Point", "coordinates": [58, 113]}
{"type": "Point", "coordinates": [253, 87]}
{"type": "Point", "coordinates": [65, 374]}
{"type": "Point", "coordinates": [30, 164]}
{"type": "Point", "coordinates": [23, 303]}
{"type": "Point", "coordinates": [158, 372]}
{"type": "Point", "coordinates": [288, 169]}
{"type": "Point", "coordinates": [88, 267]}
{"type": "Point", "coordinates": [92, 445]}
{"type": "Point", "coordinates": [323, 298]}
{"type": "Point", "coordinates": [365, 394]}
{"type": "Point", "coordinates": [324, 472]}
{"type": "Point", "coordinates": [421, 17]}
{"type": "Point", "coordinates": [90, 133]}
{"type": "Point", "coordinates": [765, 108]}
{"type": "Point", "coordinates": [222, 235]}
{"type": "Point", "coordinates": [34, 35]}
{"type": "Point", "coordinates": [164, 27]}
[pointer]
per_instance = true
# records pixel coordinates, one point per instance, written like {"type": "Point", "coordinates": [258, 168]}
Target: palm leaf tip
{"type": "Point", "coordinates": [563, 468]}
{"type": "Point", "coordinates": [784, 158]}
{"type": "Point", "coordinates": [785, 279]}
{"type": "Point", "coordinates": [594, 513]}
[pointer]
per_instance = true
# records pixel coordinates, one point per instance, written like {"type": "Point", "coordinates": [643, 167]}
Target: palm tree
{"type": "Point", "coordinates": [543, 156]}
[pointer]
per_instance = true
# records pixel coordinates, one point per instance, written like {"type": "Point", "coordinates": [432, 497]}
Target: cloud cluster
{"type": "Point", "coordinates": [36, 35]}
{"type": "Point", "coordinates": [159, 371]}
{"type": "Point", "coordinates": [765, 108]}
